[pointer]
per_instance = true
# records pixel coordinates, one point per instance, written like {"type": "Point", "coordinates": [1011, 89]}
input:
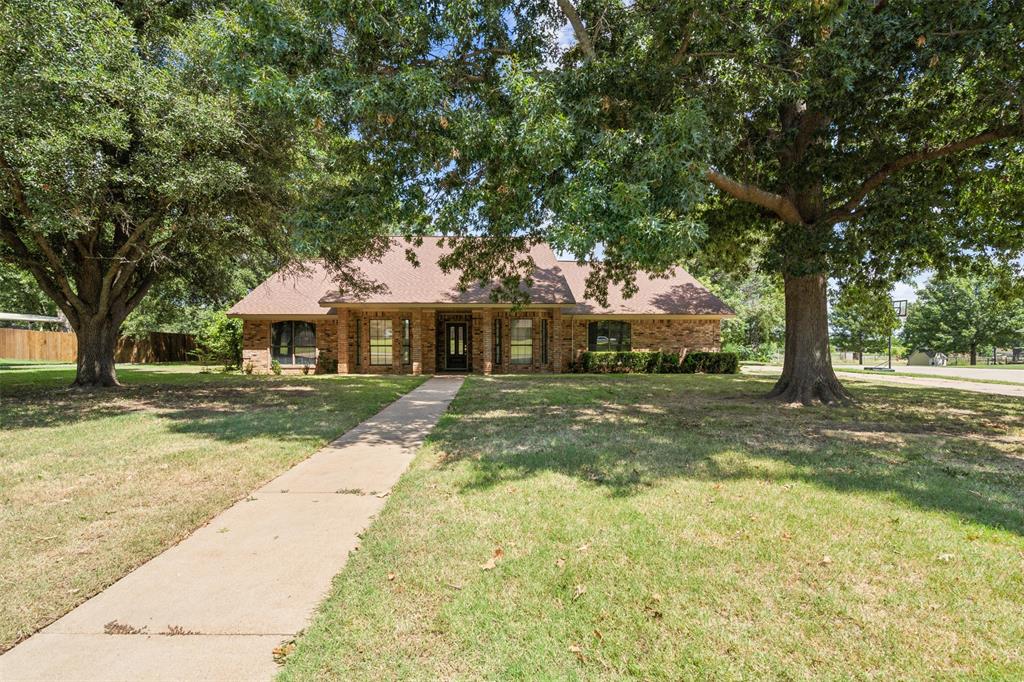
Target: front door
{"type": "Point", "coordinates": [456, 355]}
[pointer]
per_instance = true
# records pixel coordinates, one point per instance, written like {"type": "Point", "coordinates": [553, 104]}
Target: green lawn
{"type": "Point", "coordinates": [678, 527]}
{"type": "Point", "coordinates": [93, 483]}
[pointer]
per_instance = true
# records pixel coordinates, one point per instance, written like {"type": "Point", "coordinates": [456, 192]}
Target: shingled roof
{"type": "Point", "coordinates": [312, 292]}
{"type": "Point", "coordinates": [677, 294]}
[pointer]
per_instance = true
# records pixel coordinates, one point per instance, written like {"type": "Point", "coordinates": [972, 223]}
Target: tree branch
{"type": "Point", "coordinates": [684, 47]}
{"type": "Point", "coordinates": [776, 203]}
{"type": "Point", "coordinates": [844, 211]}
{"type": "Point", "coordinates": [582, 36]}
{"type": "Point", "coordinates": [17, 191]}
{"type": "Point", "coordinates": [46, 282]}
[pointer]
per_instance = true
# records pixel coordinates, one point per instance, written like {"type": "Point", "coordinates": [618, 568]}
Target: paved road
{"type": "Point", "coordinates": [958, 383]}
{"type": "Point", "coordinates": [976, 373]}
{"type": "Point", "coordinates": [216, 605]}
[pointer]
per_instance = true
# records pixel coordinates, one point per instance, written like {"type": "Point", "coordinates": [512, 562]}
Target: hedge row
{"type": "Point", "coordinates": [711, 363]}
{"type": "Point", "coordinates": [628, 362]}
{"type": "Point", "coordinates": [656, 362]}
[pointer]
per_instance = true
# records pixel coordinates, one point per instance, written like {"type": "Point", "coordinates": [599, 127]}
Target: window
{"type": "Point", "coordinates": [359, 342]}
{"type": "Point", "coordinates": [380, 342]}
{"type": "Point", "coordinates": [544, 341]}
{"type": "Point", "coordinates": [521, 342]}
{"type": "Point", "coordinates": [406, 342]}
{"type": "Point", "coordinates": [293, 342]}
{"type": "Point", "coordinates": [497, 342]}
{"type": "Point", "coordinates": [608, 335]}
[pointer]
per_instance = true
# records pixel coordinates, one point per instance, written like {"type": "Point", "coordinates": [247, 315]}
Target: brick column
{"type": "Point", "coordinates": [416, 351]}
{"type": "Point", "coordinates": [555, 340]}
{"type": "Point", "coordinates": [343, 360]}
{"type": "Point", "coordinates": [396, 343]}
{"type": "Point", "coordinates": [428, 340]}
{"type": "Point", "coordinates": [487, 340]}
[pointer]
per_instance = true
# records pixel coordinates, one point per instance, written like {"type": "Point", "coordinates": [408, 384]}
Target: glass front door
{"type": "Point", "coordinates": [456, 355]}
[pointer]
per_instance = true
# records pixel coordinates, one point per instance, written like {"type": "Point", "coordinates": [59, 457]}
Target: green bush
{"type": "Point", "coordinates": [275, 367]}
{"type": "Point", "coordinates": [219, 340]}
{"type": "Point", "coordinates": [628, 362]}
{"type": "Point", "coordinates": [711, 363]}
{"type": "Point", "coordinates": [766, 352]}
{"type": "Point", "coordinates": [326, 365]}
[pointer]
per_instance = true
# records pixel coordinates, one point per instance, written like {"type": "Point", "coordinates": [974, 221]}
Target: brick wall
{"type": "Point", "coordinates": [327, 339]}
{"type": "Point", "coordinates": [668, 335]}
{"type": "Point", "coordinates": [567, 339]}
{"type": "Point", "coordinates": [256, 343]}
{"type": "Point", "coordinates": [504, 364]}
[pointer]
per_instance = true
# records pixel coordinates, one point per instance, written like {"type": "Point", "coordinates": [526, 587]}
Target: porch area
{"type": "Point", "coordinates": [482, 340]}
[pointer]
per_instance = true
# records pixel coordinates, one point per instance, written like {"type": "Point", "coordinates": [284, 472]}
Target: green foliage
{"type": "Point", "coordinates": [219, 339]}
{"type": "Point", "coordinates": [862, 319]}
{"type": "Point", "coordinates": [711, 363]}
{"type": "Point", "coordinates": [19, 293]}
{"type": "Point", "coordinates": [963, 314]}
{"type": "Point", "coordinates": [766, 352]}
{"type": "Point", "coordinates": [628, 362]}
{"type": "Point", "coordinates": [148, 142]}
{"type": "Point", "coordinates": [177, 305]}
{"type": "Point", "coordinates": [275, 367]}
{"type": "Point", "coordinates": [326, 365]}
{"type": "Point", "coordinates": [480, 119]}
{"type": "Point", "coordinates": [758, 330]}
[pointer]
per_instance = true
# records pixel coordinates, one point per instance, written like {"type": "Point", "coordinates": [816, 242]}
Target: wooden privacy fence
{"type": "Point", "coordinates": [26, 344]}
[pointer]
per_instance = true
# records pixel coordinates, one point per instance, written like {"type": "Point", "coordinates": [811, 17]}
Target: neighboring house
{"type": "Point", "coordinates": [927, 357]}
{"type": "Point", "coordinates": [421, 323]}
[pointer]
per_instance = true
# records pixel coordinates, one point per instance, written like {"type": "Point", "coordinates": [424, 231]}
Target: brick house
{"type": "Point", "coordinates": [419, 322]}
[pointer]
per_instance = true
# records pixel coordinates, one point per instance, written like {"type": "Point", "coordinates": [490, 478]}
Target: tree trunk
{"type": "Point", "coordinates": [807, 375]}
{"type": "Point", "coordinates": [974, 355]}
{"type": "Point", "coordinates": [97, 341]}
{"type": "Point", "coordinates": [860, 358]}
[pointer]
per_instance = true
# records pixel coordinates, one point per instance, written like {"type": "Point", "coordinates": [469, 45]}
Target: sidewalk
{"type": "Point", "coordinates": [216, 605]}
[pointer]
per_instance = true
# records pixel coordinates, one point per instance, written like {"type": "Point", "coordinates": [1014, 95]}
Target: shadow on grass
{"type": "Point", "coordinates": [229, 408]}
{"type": "Point", "coordinates": [949, 451]}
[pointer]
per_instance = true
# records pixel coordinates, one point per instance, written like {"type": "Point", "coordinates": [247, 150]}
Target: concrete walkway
{"type": "Point", "coordinates": [216, 605]}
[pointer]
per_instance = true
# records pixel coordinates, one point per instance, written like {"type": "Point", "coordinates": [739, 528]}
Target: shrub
{"type": "Point", "coordinates": [249, 367]}
{"type": "Point", "coordinates": [628, 362]}
{"type": "Point", "coordinates": [275, 367]}
{"type": "Point", "coordinates": [765, 352]}
{"type": "Point", "coordinates": [670, 364]}
{"type": "Point", "coordinates": [219, 340]}
{"type": "Point", "coordinates": [326, 365]}
{"type": "Point", "coordinates": [711, 363]}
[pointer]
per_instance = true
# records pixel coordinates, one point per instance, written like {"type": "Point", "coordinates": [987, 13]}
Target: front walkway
{"type": "Point", "coordinates": [216, 605]}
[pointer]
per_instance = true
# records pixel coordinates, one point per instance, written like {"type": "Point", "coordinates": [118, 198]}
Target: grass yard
{"type": "Point", "coordinates": [677, 527]}
{"type": "Point", "coordinates": [93, 484]}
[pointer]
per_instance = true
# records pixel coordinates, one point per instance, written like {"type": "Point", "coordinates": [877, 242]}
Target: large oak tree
{"type": "Point", "coordinates": [151, 141]}
{"type": "Point", "coordinates": [857, 139]}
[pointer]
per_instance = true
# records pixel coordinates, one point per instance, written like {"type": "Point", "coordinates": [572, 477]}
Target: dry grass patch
{"type": "Point", "coordinates": [94, 483]}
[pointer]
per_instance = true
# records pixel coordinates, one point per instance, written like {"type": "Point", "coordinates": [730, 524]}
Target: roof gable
{"type": "Point", "coordinates": [677, 294]}
{"type": "Point", "coordinates": [311, 290]}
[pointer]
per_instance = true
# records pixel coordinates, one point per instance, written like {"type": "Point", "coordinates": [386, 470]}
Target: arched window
{"type": "Point", "coordinates": [612, 335]}
{"type": "Point", "coordinates": [293, 342]}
